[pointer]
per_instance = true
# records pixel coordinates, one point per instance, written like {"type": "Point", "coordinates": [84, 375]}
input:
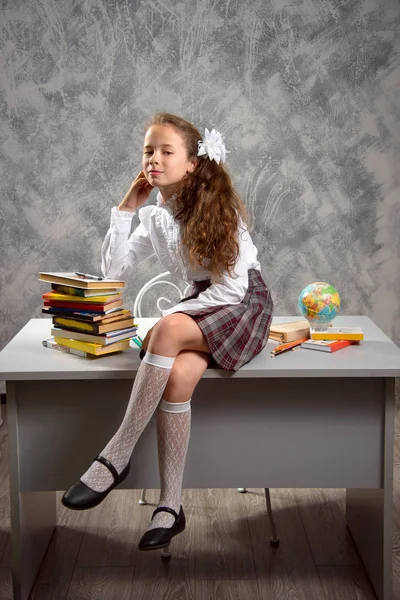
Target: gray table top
{"type": "Point", "coordinates": [25, 358]}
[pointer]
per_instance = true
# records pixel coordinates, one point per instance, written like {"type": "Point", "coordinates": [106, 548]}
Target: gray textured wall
{"type": "Point", "coordinates": [305, 92]}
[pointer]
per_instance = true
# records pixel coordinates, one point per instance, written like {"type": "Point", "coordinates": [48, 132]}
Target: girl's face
{"type": "Point", "coordinates": [165, 161]}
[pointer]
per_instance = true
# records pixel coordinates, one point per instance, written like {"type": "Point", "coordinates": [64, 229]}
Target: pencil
{"type": "Point", "coordinates": [288, 346]}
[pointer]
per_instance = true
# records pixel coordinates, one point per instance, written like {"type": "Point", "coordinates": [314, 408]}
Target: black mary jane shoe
{"type": "Point", "coordinates": [81, 497]}
{"type": "Point", "coordinates": [160, 537]}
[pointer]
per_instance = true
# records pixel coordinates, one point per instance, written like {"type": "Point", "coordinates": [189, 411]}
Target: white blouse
{"type": "Point", "coordinates": [159, 234]}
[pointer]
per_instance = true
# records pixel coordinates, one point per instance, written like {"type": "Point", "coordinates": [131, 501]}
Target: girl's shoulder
{"type": "Point", "coordinates": [156, 216]}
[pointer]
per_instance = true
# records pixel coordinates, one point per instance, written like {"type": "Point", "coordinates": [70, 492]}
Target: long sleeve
{"type": "Point", "coordinates": [120, 248]}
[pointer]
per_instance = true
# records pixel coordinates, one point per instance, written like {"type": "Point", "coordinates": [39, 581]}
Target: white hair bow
{"type": "Point", "coordinates": [213, 146]}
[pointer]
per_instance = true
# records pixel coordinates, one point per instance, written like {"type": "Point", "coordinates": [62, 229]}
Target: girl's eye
{"type": "Point", "coordinates": [166, 152]}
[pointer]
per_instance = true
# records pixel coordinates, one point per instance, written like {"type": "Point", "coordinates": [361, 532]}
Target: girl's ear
{"type": "Point", "coordinates": [193, 165]}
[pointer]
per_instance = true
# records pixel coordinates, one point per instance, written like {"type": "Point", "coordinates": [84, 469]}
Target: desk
{"type": "Point", "coordinates": [303, 419]}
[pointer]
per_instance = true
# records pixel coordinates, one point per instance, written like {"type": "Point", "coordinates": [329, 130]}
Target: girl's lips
{"type": "Point", "coordinates": [155, 172]}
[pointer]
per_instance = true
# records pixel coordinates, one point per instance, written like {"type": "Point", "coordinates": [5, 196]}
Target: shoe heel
{"type": "Point", "coordinates": [166, 552]}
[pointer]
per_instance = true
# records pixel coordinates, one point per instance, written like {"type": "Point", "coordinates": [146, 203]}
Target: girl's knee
{"type": "Point", "coordinates": [169, 327]}
{"type": "Point", "coordinates": [171, 323]}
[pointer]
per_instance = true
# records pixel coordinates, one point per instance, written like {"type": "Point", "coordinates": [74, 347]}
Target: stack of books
{"type": "Point", "coordinates": [296, 334]}
{"type": "Point", "coordinates": [88, 314]}
{"type": "Point", "coordinates": [332, 339]}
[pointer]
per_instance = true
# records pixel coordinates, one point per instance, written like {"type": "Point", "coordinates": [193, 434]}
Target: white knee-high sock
{"type": "Point", "coordinates": [173, 433]}
{"type": "Point", "coordinates": [148, 388]}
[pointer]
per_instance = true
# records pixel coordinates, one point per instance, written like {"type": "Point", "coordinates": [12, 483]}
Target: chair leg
{"type": "Point", "coordinates": [143, 500]}
{"type": "Point", "coordinates": [274, 540]}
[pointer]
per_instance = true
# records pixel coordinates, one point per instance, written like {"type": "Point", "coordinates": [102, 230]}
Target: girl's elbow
{"type": "Point", "coordinates": [112, 271]}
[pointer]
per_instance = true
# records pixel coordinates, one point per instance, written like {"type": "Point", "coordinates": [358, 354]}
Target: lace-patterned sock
{"type": "Point", "coordinates": [173, 433]}
{"type": "Point", "coordinates": [148, 388]}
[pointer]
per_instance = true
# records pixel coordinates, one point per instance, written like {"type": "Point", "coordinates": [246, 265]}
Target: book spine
{"type": "Point", "coordinates": [55, 346]}
{"type": "Point", "coordinates": [65, 289]}
{"type": "Point", "coordinates": [83, 327]}
{"type": "Point", "coordinates": [76, 305]}
{"type": "Point", "coordinates": [99, 339]}
{"type": "Point", "coordinates": [77, 345]}
{"type": "Point", "coordinates": [337, 336]}
{"type": "Point", "coordinates": [82, 300]}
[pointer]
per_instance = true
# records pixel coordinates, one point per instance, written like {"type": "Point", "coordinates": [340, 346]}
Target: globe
{"type": "Point", "coordinates": [319, 303]}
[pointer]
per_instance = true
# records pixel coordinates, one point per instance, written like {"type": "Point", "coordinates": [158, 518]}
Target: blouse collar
{"type": "Point", "coordinates": [160, 201]}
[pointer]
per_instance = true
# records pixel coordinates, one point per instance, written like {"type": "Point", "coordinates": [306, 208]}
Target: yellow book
{"type": "Point", "coordinates": [97, 328]}
{"type": "Point", "coordinates": [337, 333]}
{"type": "Point", "coordinates": [88, 300]}
{"type": "Point", "coordinates": [96, 349]}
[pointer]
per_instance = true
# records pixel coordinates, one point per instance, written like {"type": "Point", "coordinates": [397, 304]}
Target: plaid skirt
{"type": "Point", "coordinates": [236, 332]}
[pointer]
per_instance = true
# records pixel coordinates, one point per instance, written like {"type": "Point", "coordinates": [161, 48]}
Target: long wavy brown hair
{"type": "Point", "coordinates": [207, 206]}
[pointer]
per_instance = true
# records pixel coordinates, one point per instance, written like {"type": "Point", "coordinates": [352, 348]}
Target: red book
{"type": "Point", "coordinates": [85, 306]}
{"type": "Point", "coordinates": [328, 345]}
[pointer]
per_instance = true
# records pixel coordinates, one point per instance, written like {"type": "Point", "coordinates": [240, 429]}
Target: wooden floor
{"type": "Point", "coordinates": [224, 553]}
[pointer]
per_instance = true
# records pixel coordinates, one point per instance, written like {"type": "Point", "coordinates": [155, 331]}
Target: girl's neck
{"type": "Point", "coordinates": [167, 192]}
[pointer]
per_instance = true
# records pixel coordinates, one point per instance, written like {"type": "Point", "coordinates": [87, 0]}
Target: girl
{"type": "Point", "coordinates": [197, 230]}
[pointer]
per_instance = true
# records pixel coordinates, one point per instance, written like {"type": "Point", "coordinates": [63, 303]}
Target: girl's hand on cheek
{"type": "Point", "coordinates": [137, 194]}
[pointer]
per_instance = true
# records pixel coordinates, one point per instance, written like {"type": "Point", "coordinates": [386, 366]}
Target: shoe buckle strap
{"type": "Point", "coordinates": [166, 509]}
{"type": "Point", "coordinates": [109, 466]}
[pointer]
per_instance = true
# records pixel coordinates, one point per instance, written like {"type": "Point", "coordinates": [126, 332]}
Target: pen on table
{"type": "Point", "coordinates": [288, 346]}
{"type": "Point", "coordinates": [87, 276]}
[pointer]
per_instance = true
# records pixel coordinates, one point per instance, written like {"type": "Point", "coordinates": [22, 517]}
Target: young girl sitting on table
{"type": "Point", "coordinates": [196, 230]}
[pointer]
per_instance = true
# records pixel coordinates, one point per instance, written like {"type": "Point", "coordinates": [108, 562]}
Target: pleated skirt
{"type": "Point", "coordinates": [236, 332]}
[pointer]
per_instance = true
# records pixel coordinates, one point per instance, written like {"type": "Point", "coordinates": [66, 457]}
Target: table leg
{"type": "Point", "coordinates": [369, 512]}
{"type": "Point", "coordinates": [33, 514]}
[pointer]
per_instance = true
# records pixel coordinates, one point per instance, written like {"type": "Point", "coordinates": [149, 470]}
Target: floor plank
{"type": "Point", "coordinates": [112, 531]}
{"type": "Point", "coordinates": [95, 583]}
{"type": "Point", "coordinates": [227, 589]}
{"type": "Point", "coordinates": [59, 561]}
{"type": "Point", "coordinates": [289, 571]}
{"type": "Point", "coordinates": [49, 591]}
{"type": "Point", "coordinates": [223, 541]}
{"type": "Point", "coordinates": [163, 589]}
{"type": "Point", "coordinates": [6, 592]}
{"type": "Point", "coordinates": [322, 512]}
{"type": "Point", "coordinates": [345, 583]}
{"type": "Point", "coordinates": [6, 558]}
